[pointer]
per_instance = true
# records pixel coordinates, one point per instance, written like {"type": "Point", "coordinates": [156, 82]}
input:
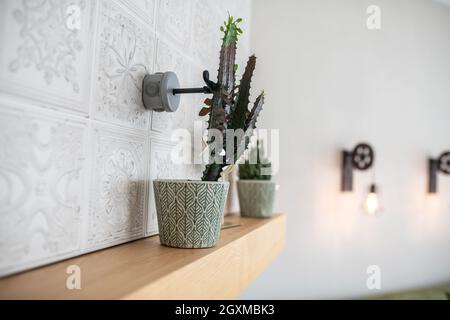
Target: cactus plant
{"type": "Point", "coordinates": [229, 106]}
{"type": "Point", "coordinates": [256, 191]}
{"type": "Point", "coordinates": [254, 171]}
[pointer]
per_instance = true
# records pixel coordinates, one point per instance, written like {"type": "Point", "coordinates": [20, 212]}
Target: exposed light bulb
{"type": "Point", "coordinates": [372, 204]}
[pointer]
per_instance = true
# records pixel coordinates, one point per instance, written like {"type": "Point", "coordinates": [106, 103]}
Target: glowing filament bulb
{"type": "Point", "coordinates": [372, 202]}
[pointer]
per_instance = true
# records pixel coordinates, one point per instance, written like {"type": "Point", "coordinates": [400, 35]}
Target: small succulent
{"type": "Point", "coordinates": [229, 106]}
{"type": "Point", "coordinates": [258, 170]}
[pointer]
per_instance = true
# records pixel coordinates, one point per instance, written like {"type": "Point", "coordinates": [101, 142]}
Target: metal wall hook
{"type": "Point", "coordinates": [160, 91]}
{"type": "Point", "coordinates": [210, 84]}
{"type": "Point", "coordinates": [208, 89]}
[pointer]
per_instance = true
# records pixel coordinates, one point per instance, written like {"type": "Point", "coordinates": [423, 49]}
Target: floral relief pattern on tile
{"type": "Point", "coordinates": [206, 35]}
{"type": "Point", "coordinates": [41, 187]}
{"type": "Point", "coordinates": [48, 50]}
{"type": "Point", "coordinates": [118, 192]}
{"type": "Point", "coordinates": [125, 56]}
{"type": "Point", "coordinates": [174, 21]}
{"type": "Point", "coordinates": [78, 179]}
{"type": "Point", "coordinates": [145, 9]}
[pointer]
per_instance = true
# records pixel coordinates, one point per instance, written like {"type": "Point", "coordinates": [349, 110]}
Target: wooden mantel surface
{"type": "Point", "coordinates": [144, 269]}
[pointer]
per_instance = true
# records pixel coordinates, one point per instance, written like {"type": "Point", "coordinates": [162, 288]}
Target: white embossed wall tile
{"type": "Point", "coordinates": [145, 9]}
{"type": "Point", "coordinates": [46, 51]}
{"type": "Point", "coordinates": [206, 35]}
{"type": "Point", "coordinates": [173, 22]}
{"type": "Point", "coordinates": [42, 178]}
{"type": "Point", "coordinates": [68, 184]}
{"type": "Point", "coordinates": [162, 121]}
{"type": "Point", "coordinates": [125, 54]}
{"type": "Point", "coordinates": [195, 170]}
{"type": "Point", "coordinates": [161, 167]}
{"type": "Point", "coordinates": [119, 185]}
{"type": "Point", "coordinates": [170, 59]}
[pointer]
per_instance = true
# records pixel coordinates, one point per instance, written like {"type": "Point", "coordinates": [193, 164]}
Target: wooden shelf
{"type": "Point", "coordinates": [144, 269]}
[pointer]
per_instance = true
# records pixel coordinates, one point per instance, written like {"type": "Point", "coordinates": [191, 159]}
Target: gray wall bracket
{"type": "Point", "coordinates": [161, 92]}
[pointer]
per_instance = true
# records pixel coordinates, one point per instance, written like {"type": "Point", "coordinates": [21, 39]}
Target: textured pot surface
{"type": "Point", "coordinates": [256, 198]}
{"type": "Point", "coordinates": [189, 212]}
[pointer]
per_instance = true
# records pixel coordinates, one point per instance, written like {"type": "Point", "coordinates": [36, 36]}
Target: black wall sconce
{"type": "Point", "coordinates": [441, 164]}
{"type": "Point", "coordinates": [360, 158]}
{"type": "Point", "coordinates": [161, 92]}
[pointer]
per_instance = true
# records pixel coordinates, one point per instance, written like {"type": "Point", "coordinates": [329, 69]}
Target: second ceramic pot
{"type": "Point", "coordinates": [256, 198]}
{"type": "Point", "coordinates": [189, 212]}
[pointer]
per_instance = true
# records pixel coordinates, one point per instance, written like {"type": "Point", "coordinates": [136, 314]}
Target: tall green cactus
{"type": "Point", "coordinates": [228, 108]}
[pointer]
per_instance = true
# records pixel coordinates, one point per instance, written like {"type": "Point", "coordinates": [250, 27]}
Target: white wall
{"type": "Point", "coordinates": [78, 150]}
{"type": "Point", "coordinates": [331, 83]}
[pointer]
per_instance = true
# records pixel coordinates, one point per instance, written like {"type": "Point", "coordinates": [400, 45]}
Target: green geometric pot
{"type": "Point", "coordinates": [189, 212]}
{"type": "Point", "coordinates": [256, 198]}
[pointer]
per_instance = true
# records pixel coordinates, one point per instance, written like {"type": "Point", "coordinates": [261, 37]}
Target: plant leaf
{"type": "Point", "coordinates": [238, 113]}
{"type": "Point", "coordinates": [204, 111]}
{"type": "Point", "coordinates": [208, 102]}
{"type": "Point", "coordinates": [250, 124]}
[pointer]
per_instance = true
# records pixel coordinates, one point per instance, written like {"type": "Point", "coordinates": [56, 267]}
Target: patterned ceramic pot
{"type": "Point", "coordinates": [189, 212]}
{"type": "Point", "coordinates": [256, 198]}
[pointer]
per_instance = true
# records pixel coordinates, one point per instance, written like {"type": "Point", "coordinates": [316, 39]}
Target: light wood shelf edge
{"type": "Point", "coordinates": [144, 269]}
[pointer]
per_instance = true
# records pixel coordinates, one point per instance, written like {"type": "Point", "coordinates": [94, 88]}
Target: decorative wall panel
{"type": "Point", "coordinates": [205, 28]}
{"type": "Point", "coordinates": [78, 150]}
{"type": "Point", "coordinates": [125, 55]}
{"type": "Point", "coordinates": [174, 21]}
{"type": "Point", "coordinates": [42, 179]}
{"type": "Point", "coordinates": [46, 51]}
{"type": "Point", "coordinates": [118, 187]}
{"type": "Point", "coordinates": [144, 9]}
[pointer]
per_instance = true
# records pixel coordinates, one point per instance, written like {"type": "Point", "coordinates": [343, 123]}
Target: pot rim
{"type": "Point", "coordinates": [256, 181]}
{"type": "Point", "coordinates": [190, 181]}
